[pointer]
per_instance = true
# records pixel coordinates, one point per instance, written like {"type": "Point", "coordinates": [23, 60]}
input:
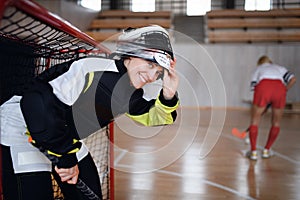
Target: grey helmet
{"type": "Point", "coordinates": [150, 43]}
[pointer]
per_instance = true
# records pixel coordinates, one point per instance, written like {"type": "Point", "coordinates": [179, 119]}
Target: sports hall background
{"type": "Point", "coordinates": [215, 67]}
{"type": "Point", "coordinates": [235, 61]}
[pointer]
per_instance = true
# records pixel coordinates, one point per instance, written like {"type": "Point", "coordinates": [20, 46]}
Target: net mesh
{"type": "Point", "coordinates": [47, 41]}
{"type": "Point", "coordinates": [28, 46]}
{"type": "Point", "coordinates": [98, 144]}
{"type": "Point", "coordinates": [43, 46]}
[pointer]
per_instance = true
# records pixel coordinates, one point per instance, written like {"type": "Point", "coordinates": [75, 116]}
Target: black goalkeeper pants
{"type": "Point", "coordinates": [38, 185]}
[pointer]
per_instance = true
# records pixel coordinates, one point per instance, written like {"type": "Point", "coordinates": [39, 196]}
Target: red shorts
{"type": "Point", "coordinates": [270, 91]}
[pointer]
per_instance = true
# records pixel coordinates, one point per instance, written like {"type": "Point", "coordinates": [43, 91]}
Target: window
{"type": "Point", "coordinates": [198, 7]}
{"type": "Point", "coordinates": [143, 5]}
{"type": "Point", "coordinates": [258, 4]}
{"type": "Point", "coordinates": [91, 4]}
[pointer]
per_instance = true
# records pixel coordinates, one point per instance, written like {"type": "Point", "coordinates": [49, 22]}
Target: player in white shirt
{"type": "Point", "coordinates": [270, 83]}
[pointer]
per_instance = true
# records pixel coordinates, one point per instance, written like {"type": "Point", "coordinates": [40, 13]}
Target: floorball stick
{"type": "Point", "coordinates": [239, 134]}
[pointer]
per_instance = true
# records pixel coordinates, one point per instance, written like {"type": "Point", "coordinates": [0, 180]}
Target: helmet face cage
{"type": "Point", "coordinates": [155, 40]}
{"type": "Point", "coordinates": [151, 43]}
{"type": "Point", "coordinates": [153, 55]}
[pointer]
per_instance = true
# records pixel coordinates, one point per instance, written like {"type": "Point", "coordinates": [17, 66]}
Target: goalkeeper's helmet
{"type": "Point", "coordinates": [150, 43]}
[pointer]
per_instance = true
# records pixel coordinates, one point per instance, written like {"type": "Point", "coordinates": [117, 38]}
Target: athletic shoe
{"type": "Point", "coordinates": [252, 155]}
{"type": "Point", "coordinates": [266, 153]}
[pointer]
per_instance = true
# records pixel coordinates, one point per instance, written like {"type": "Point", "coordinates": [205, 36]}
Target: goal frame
{"type": "Point", "coordinates": [86, 46]}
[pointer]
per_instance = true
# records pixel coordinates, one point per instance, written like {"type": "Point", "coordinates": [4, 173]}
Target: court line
{"type": "Point", "coordinates": [213, 184]}
{"type": "Point", "coordinates": [120, 156]}
{"type": "Point", "coordinates": [222, 187]}
{"type": "Point", "coordinates": [284, 157]}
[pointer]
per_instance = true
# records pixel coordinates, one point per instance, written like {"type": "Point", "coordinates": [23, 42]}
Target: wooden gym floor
{"type": "Point", "coordinates": [185, 161]}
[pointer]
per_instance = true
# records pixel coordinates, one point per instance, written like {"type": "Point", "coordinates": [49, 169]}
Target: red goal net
{"type": "Point", "coordinates": [32, 40]}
